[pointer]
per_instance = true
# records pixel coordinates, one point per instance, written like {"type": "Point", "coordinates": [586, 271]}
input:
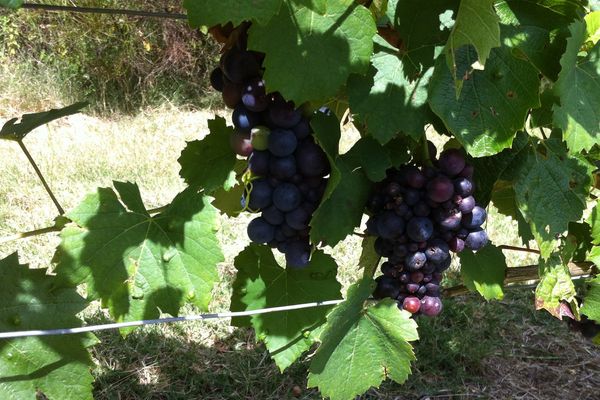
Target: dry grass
{"type": "Point", "coordinates": [499, 350]}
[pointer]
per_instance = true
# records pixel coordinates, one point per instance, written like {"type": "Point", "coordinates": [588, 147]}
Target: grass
{"type": "Point", "coordinates": [500, 350]}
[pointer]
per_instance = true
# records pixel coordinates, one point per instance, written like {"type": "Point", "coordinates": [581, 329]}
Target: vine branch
{"type": "Point", "coordinates": [61, 211]}
{"type": "Point", "coordinates": [515, 248]}
{"type": "Point", "coordinates": [109, 11]}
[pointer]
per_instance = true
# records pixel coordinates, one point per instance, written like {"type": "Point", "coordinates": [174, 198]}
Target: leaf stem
{"type": "Point", "coordinates": [25, 235]}
{"type": "Point", "coordinates": [61, 211]}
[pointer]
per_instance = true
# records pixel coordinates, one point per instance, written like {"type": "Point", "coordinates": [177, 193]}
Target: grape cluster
{"type": "Point", "coordinates": [286, 169]}
{"type": "Point", "coordinates": [420, 215]}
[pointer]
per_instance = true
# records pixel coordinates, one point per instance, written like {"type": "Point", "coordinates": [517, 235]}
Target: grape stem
{"type": "Point", "coordinates": [515, 248]}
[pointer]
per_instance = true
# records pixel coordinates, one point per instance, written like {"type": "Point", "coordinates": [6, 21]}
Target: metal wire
{"type": "Point", "coordinates": [111, 11]}
{"type": "Point", "coordinates": [224, 315]}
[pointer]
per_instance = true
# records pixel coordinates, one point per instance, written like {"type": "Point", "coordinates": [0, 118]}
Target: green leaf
{"type": "Point", "coordinates": [369, 259]}
{"type": "Point", "coordinates": [594, 256]}
{"type": "Point", "coordinates": [578, 87]}
{"type": "Point", "coordinates": [229, 202]}
{"type": "Point", "coordinates": [209, 163]}
{"type": "Point", "coordinates": [421, 30]}
{"type": "Point", "coordinates": [594, 221]}
{"type": "Point", "coordinates": [488, 170]}
{"type": "Point", "coordinates": [260, 282]}
{"type": "Point", "coordinates": [373, 158]}
{"type": "Point", "coordinates": [592, 22]}
{"type": "Point", "coordinates": [543, 116]}
{"type": "Point", "coordinates": [327, 48]}
{"type": "Point", "coordinates": [580, 233]}
{"type": "Point", "coordinates": [342, 211]}
{"type": "Point", "coordinates": [484, 271]}
{"type": "Point", "coordinates": [57, 366]}
{"type": "Point", "coordinates": [362, 345]}
{"type": "Point", "coordinates": [551, 191]}
{"type": "Point", "coordinates": [13, 130]}
{"type": "Point", "coordinates": [388, 101]}
{"type": "Point", "coordinates": [591, 301]}
{"type": "Point", "coordinates": [538, 30]}
{"type": "Point", "coordinates": [493, 103]}
{"type": "Point", "coordinates": [476, 24]}
{"type": "Point", "coordinates": [555, 286]}
{"type": "Point", "coordinates": [505, 199]}
{"type": "Point", "coordinates": [14, 4]}
{"type": "Point", "coordinates": [214, 12]}
{"type": "Point", "coordinates": [136, 264]}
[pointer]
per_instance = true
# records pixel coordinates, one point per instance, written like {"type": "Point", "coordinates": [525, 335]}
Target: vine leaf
{"type": "Point", "coordinates": [578, 88]}
{"type": "Point", "coordinates": [260, 282]}
{"type": "Point", "coordinates": [591, 302]}
{"type": "Point", "coordinates": [551, 191]}
{"type": "Point", "coordinates": [209, 163]}
{"type": "Point", "coordinates": [421, 29]}
{"type": "Point", "coordinates": [555, 286]}
{"type": "Point", "coordinates": [476, 24]}
{"type": "Point", "coordinates": [493, 103]}
{"type": "Point", "coordinates": [537, 31]}
{"type": "Point", "coordinates": [214, 12]}
{"type": "Point", "coordinates": [347, 190]}
{"type": "Point", "coordinates": [373, 158]}
{"type": "Point", "coordinates": [387, 100]}
{"type": "Point", "coordinates": [29, 301]}
{"type": "Point", "coordinates": [484, 271]}
{"type": "Point", "coordinates": [327, 47]}
{"type": "Point", "coordinates": [505, 200]}
{"type": "Point", "coordinates": [137, 264]}
{"type": "Point", "coordinates": [594, 221]}
{"type": "Point", "coordinates": [13, 130]}
{"type": "Point", "coordinates": [362, 345]}
{"type": "Point", "coordinates": [369, 259]}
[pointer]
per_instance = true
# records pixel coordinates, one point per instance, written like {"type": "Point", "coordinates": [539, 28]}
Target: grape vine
{"type": "Point", "coordinates": [509, 86]}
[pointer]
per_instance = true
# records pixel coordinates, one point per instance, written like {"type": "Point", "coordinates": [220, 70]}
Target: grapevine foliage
{"type": "Point", "coordinates": [515, 84]}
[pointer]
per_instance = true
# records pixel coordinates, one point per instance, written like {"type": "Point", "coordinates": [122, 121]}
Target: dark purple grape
{"type": "Point", "coordinates": [297, 254]}
{"type": "Point", "coordinates": [400, 250]}
{"type": "Point", "coordinates": [475, 218]}
{"type": "Point", "coordinates": [412, 287]}
{"type": "Point", "coordinates": [456, 244]}
{"type": "Point", "coordinates": [288, 231]}
{"type": "Point", "coordinates": [412, 197]}
{"type": "Point", "coordinates": [217, 80]}
{"type": "Point", "coordinates": [444, 265]}
{"type": "Point", "coordinates": [232, 94]}
{"type": "Point", "coordinates": [260, 195]}
{"type": "Point", "coordinates": [239, 65]}
{"type": "Point", "coordinates": [386, 287]}
{"type": "Point", "coordinates": [260, 231]}
{"type": "Point", "coordinates": [389, 225]}
{"type": "Point", "coordinates": [437, 251]}
{"type": "Point", "coordinates": [376, 202]}
{"type": "Point", "coordinates": [302, 129]}
{"type": "Point", "coordinates": [283, 167]}
{"type": "Point", "coordinates": [466, 204]}
{"type": "Point", "coordinates": [402, 209]}
{"type": "Point", "coordinates": [387, 268]}
{"type": "Point", "coordinates": [415, 261]}
{"type": "Point", "coordinates": [244, 120]}
{"type": "Point", "coordinates": [422, 290]}
{"type": "Point", "coordinates": [411, 304]}
{"type": "Point", "coordinates": [431, 306]}
{"type": "Point", "coordinates": [440, 189]}
{"type": "Point", "coordinates": [416, 277]}
{"type": "Point", "coordinates": [284, 115]}
{"type": "Point", "coordinates": [463, 187]}
{"type": "Point", "coordinates": [241, 143]}
{"type": "Point", "coordinates": [433, 289]}
{"type": "Point", "coordinates": [419, 229]}
{"type": "Point", "coordinates": [414, 178]}
{"type": "Point", "coordinates": [258, 162]}
{"type": "Point", "coordinates": [254, 96]}
{"type": "Point", "coordinates": [462, 234]}
{"type": "Point", "coordinates": [413, 247]}
{"type": "Point", "coordinates": [427, 277]}
{"type": "Point", "coordinates": [428, 268]}
{"type": "Point", "coordinates": [451, 162]}
{"type": "Point", "coordinates": [404, 277]}
{"type": "Point", "coordinates": [311, 159]}
{"type": "Point", "coordinates": [449, 219]}
{"type": "Point", "coordinates": [279, 236]}
{"type": "Point", "coordinates": [273, 216]}
{"type": "Point", "coordinates": [286, 197]}
{"type": "Point", "coordinates": [384, 248]}
{"type": "Point", "coordinates": [372, 225]}
{"type": "Point", "coordinates": [393, 189]}
{"type": "Point", "coordinates": [298, 218]}
{"type": "Point", "coordinates": [467, 172]}
{"type": "Point", "coordinates": [476, 240]}
{"type": "Point", "coordinates": [282, 245]}
{"type": "Point", "coordinates": [282, 142]}
{"type": "Point", "coordinates": [421, 210]}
